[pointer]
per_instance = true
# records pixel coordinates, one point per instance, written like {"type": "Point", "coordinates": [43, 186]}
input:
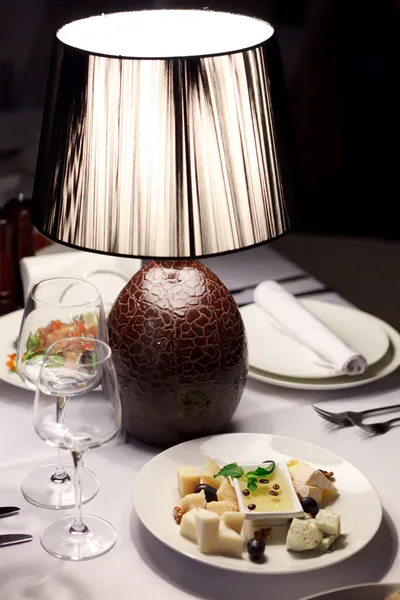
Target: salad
{"type": "Point", "coordinates": [42, 338]}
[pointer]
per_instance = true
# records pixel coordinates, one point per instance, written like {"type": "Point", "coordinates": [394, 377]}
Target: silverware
{"type": "Point", "coordinates": [349, 418]}
{"type": "Point", "coordinates": [7, 511]}
{"type": "Point", "coordinates": [9, 539]}
{"type": "Point", "coordinates": [280, 280]}
{"type": "Point", "coordinates": [379, 428]}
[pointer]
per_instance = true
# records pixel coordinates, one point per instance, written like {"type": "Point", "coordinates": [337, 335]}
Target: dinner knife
{"type": "Point", "coordinates": [6, 511]}
{"type": "Point", "coordinates": [9, 539]}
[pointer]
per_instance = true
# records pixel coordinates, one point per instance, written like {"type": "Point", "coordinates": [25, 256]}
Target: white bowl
{"type": "Point", "coordinates": [270, 517]}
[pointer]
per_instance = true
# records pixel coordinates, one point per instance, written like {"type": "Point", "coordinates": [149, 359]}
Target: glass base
{"type": "Point", "coordinates": [39, 489]}
{"type": "Point", "coordinates": [58, 540]}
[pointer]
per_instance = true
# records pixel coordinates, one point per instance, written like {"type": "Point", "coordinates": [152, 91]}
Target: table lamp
{"type": "Point", "coordinates": [165, 136]}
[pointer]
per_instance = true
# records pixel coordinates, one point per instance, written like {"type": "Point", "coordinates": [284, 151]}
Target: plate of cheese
{"type": "Point", "coordinates": [257, 503]}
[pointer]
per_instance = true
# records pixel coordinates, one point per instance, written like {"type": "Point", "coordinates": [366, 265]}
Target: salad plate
{"type": "Point", "coordinates": [357, 503]}
{"type": "Point", "coordinates": [49, 332]}
{"type": "Point", "coordinates": [9, 327]}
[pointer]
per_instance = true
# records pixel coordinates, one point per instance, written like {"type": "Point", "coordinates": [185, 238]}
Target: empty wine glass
{"type": "Point", "coordinates": [57, 308]}
{"type": "Point", "coordinates": [92, 419]}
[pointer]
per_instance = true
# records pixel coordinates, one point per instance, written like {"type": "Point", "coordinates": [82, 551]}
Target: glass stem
{"type": "Point", "coordinates": [78, 525]}
{"type": "Point", "coordinates": [60, 475]}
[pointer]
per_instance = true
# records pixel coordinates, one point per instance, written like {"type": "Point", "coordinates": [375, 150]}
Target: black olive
{"type": "Point", "coordinates": [209, 490]}
{"type": "Point", "coordinates": [310, 506]}
{"type": "Point", "coordinates": [256, 548]}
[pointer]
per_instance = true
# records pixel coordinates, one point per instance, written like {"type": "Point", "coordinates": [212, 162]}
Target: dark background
{"type": "Point", "coordinates": [341, 66]}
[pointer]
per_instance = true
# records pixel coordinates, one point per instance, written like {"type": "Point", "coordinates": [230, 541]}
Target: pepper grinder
{"type": "Point", "coordinates": [8, 296]}
{"type": "Point", "coordinates": [19, 212]}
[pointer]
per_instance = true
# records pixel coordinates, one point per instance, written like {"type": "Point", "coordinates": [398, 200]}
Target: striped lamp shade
{"type": "Point", "coordinates": [165, 135]}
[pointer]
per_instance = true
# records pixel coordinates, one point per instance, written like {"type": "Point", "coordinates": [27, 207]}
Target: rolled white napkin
{"type": "Point", "coordinates": [108, 273]}
{"type": "Point", "coordinates": [297, 322]}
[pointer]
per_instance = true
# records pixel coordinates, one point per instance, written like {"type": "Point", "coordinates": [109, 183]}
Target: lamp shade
{"type": "Point", "coordinates": [164, 135]}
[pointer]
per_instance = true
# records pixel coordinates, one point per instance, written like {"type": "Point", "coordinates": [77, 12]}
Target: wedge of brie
{"type": "Point", "coordinates": [308, 491]}
{"type": "Point", "coordinates": [303, 473]}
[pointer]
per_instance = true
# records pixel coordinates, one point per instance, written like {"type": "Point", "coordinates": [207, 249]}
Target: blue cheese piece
{"type": "Point", "coordinates": [328, 522]}
{"type": "Point", "coordinates": [303, 535]}
{"type": "Point", "coordinates": [327, 542]}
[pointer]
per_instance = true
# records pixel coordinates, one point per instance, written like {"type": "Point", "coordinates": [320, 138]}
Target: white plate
{"type": "Point", "coordinates": [9, 327]}
{"type": "Point", "coordinates": [272, 351]}
{"type": "Point", "coordinates": [369, 591]}
{"type": "Point", "coordinates": [155, 494]}
{"type": "Point", "coordinates": [387, 365]}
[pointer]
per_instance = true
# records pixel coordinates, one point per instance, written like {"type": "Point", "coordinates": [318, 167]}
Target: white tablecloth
{"type": "Point", "coordinates": [140, 566]}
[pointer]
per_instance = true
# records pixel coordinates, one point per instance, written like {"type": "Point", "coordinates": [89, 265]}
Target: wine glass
{"type": "Point", "coordinates": [92, 419]}
{"type": "Point", "coordinates": [57, 308]}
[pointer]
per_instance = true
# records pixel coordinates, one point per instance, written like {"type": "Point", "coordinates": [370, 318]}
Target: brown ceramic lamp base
{"type": "Point", "coordinates": [180, 352]}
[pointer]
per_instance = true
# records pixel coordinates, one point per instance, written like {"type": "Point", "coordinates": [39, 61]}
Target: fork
{"type": "Point", "coordinates": [349, 418]}
{"type": "Point", "coordinates": [379, 428]}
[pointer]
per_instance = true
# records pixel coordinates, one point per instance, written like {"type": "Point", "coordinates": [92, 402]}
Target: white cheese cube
{"type": "Point", "coordinates": [303, 535]}
{"type": "Point", "coordinates": [328, 522]}
{"type": "Point", "coordinates": [308, 491]}
{"type": "Point", "coordinates": [207, 530]}
{"type": "Point", "coordinates": [187, 528]}
{"type": "Point", "coordinates": [188, 479]}
{"type": "Point", "coordinates": [313, 477]}
{"type": "Point", "coordinates": [226, 492]}
{"type": "Point", "coordinates": [193, 501]}
{"type": "Point", "coordinates": [233, 520]}
{"type": "Point", "coordinates": [230, 543]}
{"type": "Point", "coordinates": [209, 470]}
{"type": "Point", "coordinates": [221, 507]}
{"type": "Point", "coordinates": [327, 542]}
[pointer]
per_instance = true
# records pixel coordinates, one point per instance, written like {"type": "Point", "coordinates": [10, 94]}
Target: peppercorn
{"type": "Point", "coordinates": [273, 493]}
{"type": "Point", "coordinates": [246, 492]}
{"type": "Point", "coordinates": [251, 506]}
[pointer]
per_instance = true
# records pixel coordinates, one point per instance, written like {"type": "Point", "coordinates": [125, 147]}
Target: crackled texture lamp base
{"type": "Point", "coordinates": [180, 352]}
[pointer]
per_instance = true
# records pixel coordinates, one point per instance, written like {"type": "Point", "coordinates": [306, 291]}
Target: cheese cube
{"type": "Point", "coordinates": [188, 479]}
{"type": "Point", "coordinates": [221, 507]}
{"type": "Point", "coordinates": [230, 543]}
{"type": "Point", "coordinates": [328, 522]}
{"type": "Point", "coordinates": [233, 520]}
{"type": "Point", "coordinates": [327, 542]}
{"type": "Point", "coordinates": [209, 470]}
{"type": "Point", "coordinates": [207, 530]}
{"type": "Point", "coordinates": [187, 528]}
{"type": "Point", "coordinates": [193, 501]}
{"type": "Point", "coordinates": [313, 477]}
{"type": "Point", "coordinates": [303, 535]}
{"type": "Point", "coordinates": [308, 491]}
{"type": "Point", "coordinates": [226, 492]}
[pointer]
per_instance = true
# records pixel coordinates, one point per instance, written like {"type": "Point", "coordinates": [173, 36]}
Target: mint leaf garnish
{"type": "Point", "coordinates": [231, 470]}
{"type": "Point", "coordinates": [251, 484]}
{"type": "Point", "coordinates": [263, 471]}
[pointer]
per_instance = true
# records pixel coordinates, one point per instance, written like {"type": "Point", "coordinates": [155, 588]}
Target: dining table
{"type": "Point", "coordinates": [142, 567]}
